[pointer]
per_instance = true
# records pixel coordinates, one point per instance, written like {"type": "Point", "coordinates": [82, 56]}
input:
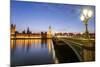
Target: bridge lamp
{"type": "Point", "coordinates": [85, 17]}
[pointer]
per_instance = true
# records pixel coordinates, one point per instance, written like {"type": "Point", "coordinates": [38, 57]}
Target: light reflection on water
{"type": "Point", "coordinates": [31, 51]}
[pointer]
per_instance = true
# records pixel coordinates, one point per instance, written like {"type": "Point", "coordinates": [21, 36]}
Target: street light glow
{"type": "Point", "coordinates": [90, 13]}
{"type": "Point", "coordinates": [85, 12]}
{"type": "Point", "coordinates": [82, 18]}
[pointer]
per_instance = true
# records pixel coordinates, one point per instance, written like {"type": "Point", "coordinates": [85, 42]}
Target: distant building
{"type": "Point", "coordinates": [13, 29]}
{"type": "Point", "coordinates": [43, 34]}
{"type": "Point", "coordinates": [28, 34]}
{"type": "Point", "coordinates": [49, 33]}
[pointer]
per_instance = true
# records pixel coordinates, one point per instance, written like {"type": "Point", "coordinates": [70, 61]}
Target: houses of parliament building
{"type": "Point", "coordinates": [28, 34]}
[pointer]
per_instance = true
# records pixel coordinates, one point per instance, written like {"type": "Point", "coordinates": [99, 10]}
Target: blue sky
{"type": "Point", "coordinates": [39, 16]}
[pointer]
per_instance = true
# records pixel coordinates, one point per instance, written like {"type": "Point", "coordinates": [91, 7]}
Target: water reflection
{"type": "Point", "coordinates": [31, 51]}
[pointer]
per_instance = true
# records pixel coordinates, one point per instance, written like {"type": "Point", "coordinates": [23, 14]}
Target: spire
{"type": "Point", "coordinates": [28, 30]}
{"type": "Point", "coordinates": [11, 25]}
{"type": "Point", "coordinates": [49, 27]}
{"type": "Point", "coordinates": [49, 32]}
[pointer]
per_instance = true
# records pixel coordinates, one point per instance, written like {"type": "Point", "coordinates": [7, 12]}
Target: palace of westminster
{"type": "Point", "coordinates": [28, 33]}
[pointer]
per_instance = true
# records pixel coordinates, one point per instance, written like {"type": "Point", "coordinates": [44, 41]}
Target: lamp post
{"type": "Point", "coordinates": [85, 16]}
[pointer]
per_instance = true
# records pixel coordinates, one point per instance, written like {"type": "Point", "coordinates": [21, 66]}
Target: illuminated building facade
{"type": "Point", "coordinates": [13, 29]}
{"type": "Point", "coordinates": [28, 34]}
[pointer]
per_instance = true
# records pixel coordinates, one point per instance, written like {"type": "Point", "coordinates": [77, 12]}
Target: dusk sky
{"type": "Point", "coordinates": [39, 16]}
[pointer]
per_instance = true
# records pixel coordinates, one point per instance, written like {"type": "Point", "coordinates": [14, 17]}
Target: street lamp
{"type": "Point", "coordinates": [85, 16]}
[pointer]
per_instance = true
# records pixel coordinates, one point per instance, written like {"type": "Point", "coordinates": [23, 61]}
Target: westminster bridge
{"type": "Point", "coordinates": [69, 49]}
